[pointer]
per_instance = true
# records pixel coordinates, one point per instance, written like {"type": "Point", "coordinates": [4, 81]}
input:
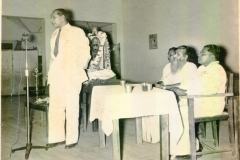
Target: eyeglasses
{"type": "Point", "coordinates": [205, 54]}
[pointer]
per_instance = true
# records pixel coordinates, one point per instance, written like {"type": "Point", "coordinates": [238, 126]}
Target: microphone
{"type": "Point", "coordinates": [27, 37]}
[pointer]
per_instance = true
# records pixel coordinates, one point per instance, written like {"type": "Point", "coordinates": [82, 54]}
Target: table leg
{"type": "Point", "coordinates": [236, 125]}
{"type": "Point", "coordinates": [84, 110]}
{"type": "Point", "coordinates": [139, 130]}
{"type": "Point", "coordinates": [164, 137]}
{"type": "Point", "coordinates": [192, 128]}
{"type": "Point", "coordinates": [102, 137]}
{"type": "Point", "coordinates": [116, 140]}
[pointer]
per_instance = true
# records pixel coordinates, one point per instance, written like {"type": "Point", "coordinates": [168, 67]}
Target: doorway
{"type": "Point", "coordinates": [14, 30]}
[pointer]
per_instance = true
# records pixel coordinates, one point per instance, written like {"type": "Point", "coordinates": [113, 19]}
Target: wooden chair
{"type": "Point", "coordinates": [231, 116]}
{"type": "Point", "coordinates": [42, 93]}
{"type": "Point", "coordinates": [215, 120]}
{"type": "Point", "coordinates": [40, 107]}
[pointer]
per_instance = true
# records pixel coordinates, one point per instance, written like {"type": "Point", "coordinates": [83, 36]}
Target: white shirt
{"type": "Point", "coordinates": [168, 77]}
{"type": "Point", "coordinates": [67, 69]}
{"type": "Point", "coordinates": [186, 76]}
{"type": "Point", "coordinates": [212, 79]}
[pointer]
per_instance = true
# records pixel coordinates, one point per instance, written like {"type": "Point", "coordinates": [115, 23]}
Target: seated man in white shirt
{"type": "Point", "coordinates": [169, 69]}
{"type": "Point", "coordinates": [185, 76]}
{"type": "Point", "coordinates": [180, 80]}
{"type": "Point", "coordinates": [212, 79]}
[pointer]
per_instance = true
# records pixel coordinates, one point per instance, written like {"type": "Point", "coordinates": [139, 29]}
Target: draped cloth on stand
{"type": "Point", "coordinates": [104, 50]}
{"type": "Point", "coordinates": [100, 65]}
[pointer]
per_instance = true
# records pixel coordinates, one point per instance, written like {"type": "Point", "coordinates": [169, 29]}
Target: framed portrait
{"type": "Point", "coordinates": [153, 41]}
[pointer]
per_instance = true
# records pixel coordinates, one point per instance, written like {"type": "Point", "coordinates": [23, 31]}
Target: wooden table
{"type": "Point", "coordinates": [111, 103]}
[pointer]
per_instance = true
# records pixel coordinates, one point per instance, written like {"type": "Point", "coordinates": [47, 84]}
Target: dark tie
{"type": "Point", "coordinates": [56, 43]}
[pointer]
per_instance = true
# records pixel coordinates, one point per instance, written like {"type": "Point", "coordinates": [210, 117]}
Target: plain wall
{"type": "Point", "coordinates": [91, 10]}
{"type": "Point", "coordinates": [195, 23]}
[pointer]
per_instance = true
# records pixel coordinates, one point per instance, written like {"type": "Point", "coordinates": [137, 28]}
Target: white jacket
{"type": "Point", "coordinates": [67, 68]}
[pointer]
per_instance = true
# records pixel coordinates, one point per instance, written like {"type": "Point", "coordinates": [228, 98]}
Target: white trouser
{"type": "Point", "coordinates": [63, 106]}
{"type": "Point", "coordinates": [183, 147]}
{"type": "Point", "coordinates": [151, 133]}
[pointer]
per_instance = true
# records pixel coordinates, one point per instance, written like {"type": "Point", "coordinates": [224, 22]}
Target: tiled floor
{"type": "Point", "coordinates": [14, 135]}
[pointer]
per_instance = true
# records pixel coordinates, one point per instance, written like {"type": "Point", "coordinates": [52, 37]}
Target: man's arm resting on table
{"type": "Point", "coordinates": [179, 91]}
{"type": "Point", "coordinates": [162, 86]}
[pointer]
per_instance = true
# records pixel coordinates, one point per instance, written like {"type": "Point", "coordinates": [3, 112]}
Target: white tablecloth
{"type": "Point", "coordinates": [112, 102]}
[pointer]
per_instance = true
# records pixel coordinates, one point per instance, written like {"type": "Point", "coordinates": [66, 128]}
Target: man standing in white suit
{"type": "Point", "coordinates": [70, 53]}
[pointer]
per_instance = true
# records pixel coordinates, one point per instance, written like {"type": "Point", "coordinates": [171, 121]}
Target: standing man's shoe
{"type": "Point", "coordinates": [70, 146]}
{"type": "Point", "coordinates": [51, 145]}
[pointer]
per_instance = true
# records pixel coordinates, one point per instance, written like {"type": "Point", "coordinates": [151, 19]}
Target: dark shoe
{"type": "Point", "coordinates": [183, 157]}
{"type": "Point", "coordinates": [200, 148]}
{"type": "Point", "coordinates": [186, 157]}
{"type": "Point", "coordinates": [70, 146]}
{"type": "Point", "coordinates": [51, 145]}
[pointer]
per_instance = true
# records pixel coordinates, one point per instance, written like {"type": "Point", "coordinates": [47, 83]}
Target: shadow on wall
{"type": "Point", "coordinates": [222, 58]}
{"type": "Point", "coordinates": [193, 57]}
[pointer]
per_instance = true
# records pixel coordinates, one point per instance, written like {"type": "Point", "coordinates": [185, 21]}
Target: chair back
{"type": "Point", "coordinates": [232, 119]}
{"type": "Point", "coordinates": [229, 89]}
{"type": "Point", "coordinates": [230, 82]}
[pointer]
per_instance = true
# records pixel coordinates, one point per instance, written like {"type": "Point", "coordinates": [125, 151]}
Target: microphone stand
{"type": "Point", "coordinates": [36, 74]}
{"type": "Point", "coordinates": [29, 145]}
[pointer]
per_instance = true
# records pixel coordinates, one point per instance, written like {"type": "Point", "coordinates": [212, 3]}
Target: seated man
{"type": "Point", "coordinates": [183, 80]}
{"type": "Point", "coordinates": [186, 77]}
{"type": "Point", "coordinates": [99, 66]}
{"type": "Point", "coordinates": [212, 79]}
{"type": "Point", "coordinates": [171, 68]}
{"type": "Point", "coordinates": [180, 79]}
